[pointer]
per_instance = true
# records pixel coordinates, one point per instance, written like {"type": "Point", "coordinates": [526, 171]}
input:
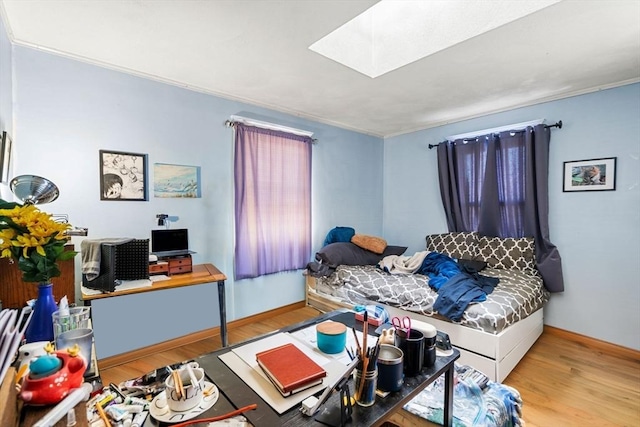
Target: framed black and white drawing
{"type": "Point", "coordinates": [5, 157]}
{"type": "Point", "coordinates": [123, 176]}
{"type": "Point", "coordinates": [590, 175]}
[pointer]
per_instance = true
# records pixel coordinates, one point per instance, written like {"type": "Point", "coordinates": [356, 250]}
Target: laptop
{"type": "Point", "coordinates": [170, 242]}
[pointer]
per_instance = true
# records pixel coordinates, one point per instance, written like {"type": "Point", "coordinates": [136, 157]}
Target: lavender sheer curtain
{"type": "Point", "coordinates": [498, 185]}
{"type": "Point", "coordinates": [272, 201]}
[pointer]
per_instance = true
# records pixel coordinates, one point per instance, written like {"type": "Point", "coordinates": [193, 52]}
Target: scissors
{"type": "Point", "coordinates": [403, 323]}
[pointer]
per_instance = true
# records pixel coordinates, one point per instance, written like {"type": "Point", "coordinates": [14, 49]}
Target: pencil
{"type": "Point", "coordinates": [181, 386]}
{"type": "Point", "coordinates": [103, 416]}
{"type": "Point", "coordinates": [177, 384]}
{"type": "Point", "coordinates": [365, 357]}
{"type": "Point", "coordinates": [365, 328]}
{"type": "Point", "coordinates": [357, 342]}
{"type": "Point", "coordinates": [374, 355]}
{"type": "Point", "coordinates": [117, 390]}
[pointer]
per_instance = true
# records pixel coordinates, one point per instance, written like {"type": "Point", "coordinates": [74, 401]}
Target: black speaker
{"type": "Point", "coordinates": [121, 261]}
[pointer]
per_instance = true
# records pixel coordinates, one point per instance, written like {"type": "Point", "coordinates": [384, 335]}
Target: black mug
{"type": "Point", "coordinates": [412, 345]}
{"type": "Point", "coordinates": [390, 368]}
{"type": "Point", "coordinates": [429, 351]}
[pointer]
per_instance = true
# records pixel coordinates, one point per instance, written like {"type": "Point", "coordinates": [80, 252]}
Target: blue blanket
{"type": "Point", "coordinates": [457, 287]}
{"type": "Point", "coordinates": [439, 268]}
{"type": "Point", "coordinates": [494, 405]}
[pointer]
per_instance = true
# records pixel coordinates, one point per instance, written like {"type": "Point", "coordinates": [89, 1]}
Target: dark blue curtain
{"type": "Point", "coordinates": [498, 185]}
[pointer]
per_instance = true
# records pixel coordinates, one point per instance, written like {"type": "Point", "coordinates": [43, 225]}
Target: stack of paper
{"type": "Point", "coordinates": [10, 336]}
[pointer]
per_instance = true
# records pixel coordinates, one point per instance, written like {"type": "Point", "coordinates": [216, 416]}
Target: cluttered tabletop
{"type": "Point", "coordinates": [345, 354]}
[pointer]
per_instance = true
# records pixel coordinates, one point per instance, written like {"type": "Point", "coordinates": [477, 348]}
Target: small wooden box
{"type": "Point", "coordinates": [180, 265]}
{"type": "Point", "coordinates": [161, 267]}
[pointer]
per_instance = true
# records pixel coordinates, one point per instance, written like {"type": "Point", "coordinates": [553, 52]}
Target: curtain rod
{"type": "Point", "coordinates": [266, 125]}
{"type": "Point", "coordinates": [558, 125]}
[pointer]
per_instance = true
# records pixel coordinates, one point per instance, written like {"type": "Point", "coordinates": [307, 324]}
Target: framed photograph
{"type": "Point", "coordinates": [176, 181]}
{"type": "Point", "coordinates": [5, 157]}
{"type": "Point", "coordinates": [590, 175]}
{"type": "Point", "coordinates": [123, 176]}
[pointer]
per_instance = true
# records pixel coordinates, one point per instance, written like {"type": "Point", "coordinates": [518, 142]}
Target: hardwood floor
{"type": "Point", "coordinates": [564, 380]}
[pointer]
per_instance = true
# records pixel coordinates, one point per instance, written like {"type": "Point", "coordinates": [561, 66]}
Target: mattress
{"type": "Point", "coordinates": [516, 296]}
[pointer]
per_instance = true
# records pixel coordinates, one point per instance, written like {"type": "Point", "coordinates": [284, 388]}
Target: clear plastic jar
{"type": "Point", "coordinates": [367, 395]}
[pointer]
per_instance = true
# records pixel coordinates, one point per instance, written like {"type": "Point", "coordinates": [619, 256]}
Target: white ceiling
{"type": "Point", "coordinates": [257, 52]}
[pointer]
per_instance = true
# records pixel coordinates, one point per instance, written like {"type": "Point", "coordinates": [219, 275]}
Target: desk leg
{"type": "Point", "coordinates": [223, 313]}
{"type": "Point", "coordinates": [448, 396]}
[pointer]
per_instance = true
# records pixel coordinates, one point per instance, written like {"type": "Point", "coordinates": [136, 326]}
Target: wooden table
{"type": "Point", "coordinates": [200, 274]}
{"type": "Point", "coordinates": [234, 393]}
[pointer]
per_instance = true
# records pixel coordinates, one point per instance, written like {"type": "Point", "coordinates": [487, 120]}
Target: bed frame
{"type": "Point", "coordinates": [494, 355]}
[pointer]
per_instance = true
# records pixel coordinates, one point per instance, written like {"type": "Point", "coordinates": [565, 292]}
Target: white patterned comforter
{"type": "Point", "coordinates": [516, 296]}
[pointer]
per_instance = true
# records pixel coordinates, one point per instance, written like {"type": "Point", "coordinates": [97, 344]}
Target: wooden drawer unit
{"type": "Point", "coordinates": [179, 265]}
{"type": "Point", "coordinates": [161, 267]}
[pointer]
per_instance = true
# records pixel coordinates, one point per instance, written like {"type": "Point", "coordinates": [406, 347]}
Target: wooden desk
{"type": "Point", "coordinates": [201, 273]}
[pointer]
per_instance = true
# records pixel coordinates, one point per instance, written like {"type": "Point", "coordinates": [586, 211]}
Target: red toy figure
{"type": "Point", "coordinates": [52, 376]}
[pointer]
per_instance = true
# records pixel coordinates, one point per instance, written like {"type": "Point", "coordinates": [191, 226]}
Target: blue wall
{"type": "Point", "coordinates": [597, 233]}
{"type": "Point", "coordinates": [66, 110]}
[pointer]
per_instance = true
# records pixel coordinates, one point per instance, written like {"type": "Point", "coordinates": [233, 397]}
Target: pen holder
{"type": "Point", "coordinates": [367, 395]}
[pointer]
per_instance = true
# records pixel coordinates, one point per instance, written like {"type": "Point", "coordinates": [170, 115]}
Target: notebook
{"type": "Point", "coordinates": [170, 242]}
{"type": "Point", "coordinates": [289, 368]}
{"type": "Point", "coordinates": [294, 390]}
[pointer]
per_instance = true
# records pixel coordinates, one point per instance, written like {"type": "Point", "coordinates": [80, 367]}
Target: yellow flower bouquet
{"type": "Point", "coordinates": [34, 239]}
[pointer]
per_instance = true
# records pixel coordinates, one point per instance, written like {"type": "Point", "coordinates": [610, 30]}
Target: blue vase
{"type": "Point", "coordinates": [40, 327]}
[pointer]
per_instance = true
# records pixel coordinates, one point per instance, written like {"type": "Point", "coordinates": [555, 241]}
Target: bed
{"type": "Point", "coordinates": [492, 335]}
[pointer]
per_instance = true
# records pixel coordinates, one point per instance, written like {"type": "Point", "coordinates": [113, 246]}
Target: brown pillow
{"type": "Point", "coordinates": [370, 243]}
{"type": "Point", "coordinates": [508, 253]}
{"type": "Point", "coordinates": [458, 245]}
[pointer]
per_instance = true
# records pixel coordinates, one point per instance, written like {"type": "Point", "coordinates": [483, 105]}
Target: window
{"type": "Point", "coordinates": [507, 182]}
{"type": "Point", "coordinates": [272, 201]}
{"type": "Point", "coordinates": [498, 185]}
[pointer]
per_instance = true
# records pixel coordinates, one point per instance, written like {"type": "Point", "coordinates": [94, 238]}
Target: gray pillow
{"type": "Point", "coordinates": [346, 253]}
{"type": "Point", "coordinates": [458, 245]}
{"type": "Point", "coordinates": [508, 252]}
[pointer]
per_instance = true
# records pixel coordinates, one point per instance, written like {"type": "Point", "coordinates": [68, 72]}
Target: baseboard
{"type": "Point", "coordinates": [605, 346]}
{"type": "Point", "coordinates": [120, 359]}
{"type": "Point", "coordinates": [265, 315]}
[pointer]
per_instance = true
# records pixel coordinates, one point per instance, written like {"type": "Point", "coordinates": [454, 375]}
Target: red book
{"type": "Point", "coordinates": [289, 367]}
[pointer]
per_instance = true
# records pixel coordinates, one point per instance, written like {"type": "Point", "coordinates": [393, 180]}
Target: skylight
{"type": "Point", "coordinates": [394, 33]}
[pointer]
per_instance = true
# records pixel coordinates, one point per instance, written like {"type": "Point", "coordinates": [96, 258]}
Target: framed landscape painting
{"type": "Point", "coordinates": [123, 176]}
{"type": "Point", "coordinates": [590, 175]}
{"type": "Point", "coordinates": [176, 181]}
